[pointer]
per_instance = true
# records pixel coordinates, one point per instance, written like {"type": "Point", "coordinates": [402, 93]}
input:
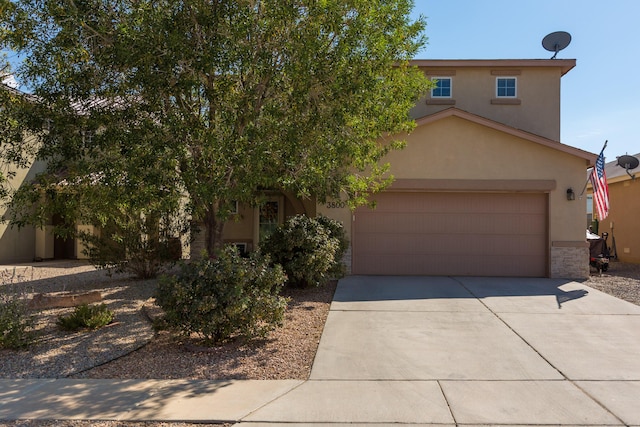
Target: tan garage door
{"type": "Point", "coordinates": [464, 234]}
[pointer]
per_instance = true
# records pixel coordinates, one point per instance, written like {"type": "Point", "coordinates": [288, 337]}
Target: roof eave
{"type": "Point", "coordinates": [564, 64]}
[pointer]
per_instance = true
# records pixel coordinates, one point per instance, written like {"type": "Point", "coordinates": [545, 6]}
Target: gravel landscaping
{"type": "Point", "coordinates": [622, 281]}
{"type": "Point", "coordinates": [77, 423]}
{"type": "Point", "coordinates": [59, 354]}
{"type": "Point", "coordinates": [131, 348]}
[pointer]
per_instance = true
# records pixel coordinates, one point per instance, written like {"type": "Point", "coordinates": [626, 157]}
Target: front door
{"type": "Point", "coordinates": [62, 248]}
{"type": "Point", "coordinates": [270, 215]}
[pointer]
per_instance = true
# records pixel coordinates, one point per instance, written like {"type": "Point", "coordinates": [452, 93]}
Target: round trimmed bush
{"type": "Point", "coordinates": [225, 297]}
{"type": "Point", "coordinates": [309, 249]}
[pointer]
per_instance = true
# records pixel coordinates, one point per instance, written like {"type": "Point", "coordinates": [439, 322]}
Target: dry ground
{"type": "Point", "coordinates": [130, 349]}
{"type": "Point", "coordinates": [622, 281]}
{"type": "Point", "coordinates": [287, 353]}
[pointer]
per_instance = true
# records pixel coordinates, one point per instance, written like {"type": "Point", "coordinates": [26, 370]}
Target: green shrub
{"type": "Point", "coordinates": [16, 320]}
{"type": "Point", "coordinates": [133, 246]}
{"type": "Point", "coordinates": [86, 317]}
{"type": "Point", "coordinates": [225, 297]}
{"type": "Point", "coordinates": [309, 249]}
{"type": "Point", "coordinates": [336, 230]}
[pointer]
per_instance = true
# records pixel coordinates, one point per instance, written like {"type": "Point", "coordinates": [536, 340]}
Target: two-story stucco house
{"type": "Point", "coordinates": [480, 189]}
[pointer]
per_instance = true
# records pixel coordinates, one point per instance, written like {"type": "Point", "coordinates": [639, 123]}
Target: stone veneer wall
{"type": "Point", "coordinates": [346, 260]}
{"type": "Point", "coordinates": [569, 260]}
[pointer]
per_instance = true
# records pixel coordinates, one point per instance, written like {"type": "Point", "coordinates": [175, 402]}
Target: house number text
{"type": "Point", "coordinates": [339, 204]}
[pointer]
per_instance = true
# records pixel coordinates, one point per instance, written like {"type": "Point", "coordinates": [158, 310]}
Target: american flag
{"type": "Point", "coordinates": [600, 188]}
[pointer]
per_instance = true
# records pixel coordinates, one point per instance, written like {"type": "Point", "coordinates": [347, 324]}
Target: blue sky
{"type": "Point", "coordinates": [600, 96]}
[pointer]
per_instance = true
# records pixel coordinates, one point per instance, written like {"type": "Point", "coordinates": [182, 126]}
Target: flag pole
{"type": "Point", "coordinates": [589, 177]}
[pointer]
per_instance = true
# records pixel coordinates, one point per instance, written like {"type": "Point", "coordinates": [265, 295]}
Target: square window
{"type": "Point", "coordinates": [242, 248]}
{"type": "Point", "coordinates": [233, 207]}
{"type": "Point", "coordinates": [506, 87]}
{"type": "Point", "coordinates": [442, 88]}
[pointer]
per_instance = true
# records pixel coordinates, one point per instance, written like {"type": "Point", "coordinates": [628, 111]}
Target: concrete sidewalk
{"type": "Point", "coordinates": [407, 350]}
{"type": "Point", "coordinates": [139, 400]}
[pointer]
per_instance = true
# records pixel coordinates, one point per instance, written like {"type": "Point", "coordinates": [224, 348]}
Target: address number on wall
{"type": "Point", "coordinates": [338, 204]}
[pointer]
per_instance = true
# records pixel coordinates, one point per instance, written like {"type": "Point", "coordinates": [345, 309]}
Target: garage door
{"type": "Point", "coordinates": [464, 234]}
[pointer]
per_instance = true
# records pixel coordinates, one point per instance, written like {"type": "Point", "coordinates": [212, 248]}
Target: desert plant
{"type": "Point", "coordinates": [309, 249]}
{"type": "Point", "coordinates": [224, 297]}
{"type": "Point", "coordinates": [134, 244]}
{"type": "Point", "coordinates": [86, 317]}
{"type": "Point", "coordinates": [16, 320]}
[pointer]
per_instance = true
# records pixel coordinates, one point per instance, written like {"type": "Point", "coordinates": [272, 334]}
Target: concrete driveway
{"type": "Point", "coordinates": [474, 351]}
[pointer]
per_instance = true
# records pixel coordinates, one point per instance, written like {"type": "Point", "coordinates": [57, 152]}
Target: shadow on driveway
{"type": "Point", "coordinates": [407, 288]}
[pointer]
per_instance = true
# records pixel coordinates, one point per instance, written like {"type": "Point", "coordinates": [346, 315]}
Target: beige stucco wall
{"type": "Point", "coordinates": [240, 227]}
{"type": "Point", "coordinates": [474, 88]}
{"type": "Point", "coordinates": [79, 247]}
{"type": "Point", "coordinates": [18, 245]}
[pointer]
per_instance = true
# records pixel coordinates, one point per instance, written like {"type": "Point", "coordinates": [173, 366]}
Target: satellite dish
{"type": "Point", "coordinates": [555, 42]}
{"type": "Point", "coordinates": [628, 162]}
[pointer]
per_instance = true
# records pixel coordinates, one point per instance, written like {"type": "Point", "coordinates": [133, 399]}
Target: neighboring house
{"type": "Point", "coordinates": [31, 243]}
{"type": "Point", "coordinates": [480, 189]}
{"type": "Point", "coordinates": [622, 222]}
{"type": "Point", "coordinates": [20, 245]}
{"type": "Point", "coordinates": [16, 245]}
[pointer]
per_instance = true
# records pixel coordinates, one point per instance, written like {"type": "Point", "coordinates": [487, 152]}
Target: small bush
{"type": "Point", "coordinates": [129, 250]}
{"type": "Point", "coordinates": [86, 317]}
{"type": "Point", "coordinates": [135, 241]}
{"type": "Point", "coordinates": [219, 299]}
{"type": "Point", "coordinates": [16, 321]}
{"type": "Point", "coordinates": [309, 249]}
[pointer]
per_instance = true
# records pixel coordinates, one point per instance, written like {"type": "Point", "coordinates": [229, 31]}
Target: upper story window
{"type": "Point", "coordinates": [506, 87]}
{"type": "Point", "coordinates": [442, 88]}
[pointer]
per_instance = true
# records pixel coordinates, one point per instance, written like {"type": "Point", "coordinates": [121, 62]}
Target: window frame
{"type": "Point", "coordinates": [437, 79]}
{"type": "Point", "coordinates": [515, 87]}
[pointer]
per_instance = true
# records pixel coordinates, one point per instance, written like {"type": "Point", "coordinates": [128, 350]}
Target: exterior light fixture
{"type": "Point", "coordinates": [570, 194]}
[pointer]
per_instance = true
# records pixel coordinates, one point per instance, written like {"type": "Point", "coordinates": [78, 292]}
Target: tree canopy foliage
{"type": "Point", "coordinates": [16, 151]}
{"type": "Point", "coordinates": [141, 102]}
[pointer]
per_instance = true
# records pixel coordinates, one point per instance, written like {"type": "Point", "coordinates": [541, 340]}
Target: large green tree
{"type": "Point", "coordinates": [232, 97]}
{"type": "Point", "coordinates": [16, 151]}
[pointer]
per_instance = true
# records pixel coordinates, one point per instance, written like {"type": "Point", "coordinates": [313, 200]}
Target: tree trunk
{"type": "Point", "coordinates": [213, 230]}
